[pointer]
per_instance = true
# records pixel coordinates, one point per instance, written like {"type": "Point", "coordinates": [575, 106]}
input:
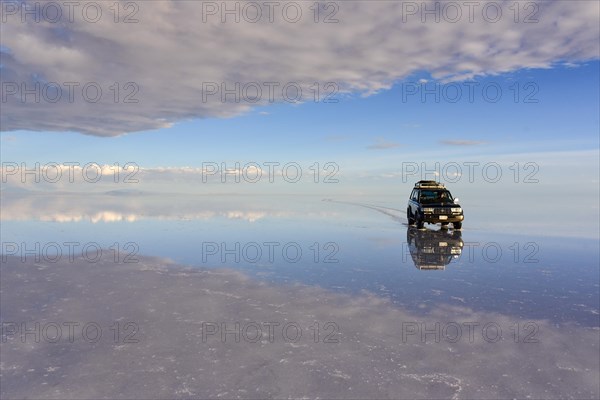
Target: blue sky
{"type": "Point", "coordinates": [380, 64]}
{"type": "Point", "coordinates": [565, 117]}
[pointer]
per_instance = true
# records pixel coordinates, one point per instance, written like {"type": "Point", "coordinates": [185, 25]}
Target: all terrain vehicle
{"type": "Point", "coordinates": [430, 202]}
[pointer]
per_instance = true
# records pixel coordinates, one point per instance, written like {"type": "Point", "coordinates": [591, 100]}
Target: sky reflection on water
{"type": "Point", "coordinates": [279, 297]}
{"type": "Point", "coordinates": [346, 247]}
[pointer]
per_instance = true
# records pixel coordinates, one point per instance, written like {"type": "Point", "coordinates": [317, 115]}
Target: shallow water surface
{"type": "Point", "coordinates": [253, 297]}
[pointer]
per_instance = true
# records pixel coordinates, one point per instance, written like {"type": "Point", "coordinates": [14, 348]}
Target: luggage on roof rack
{"type": "Point", "coordinates": [429, 184]}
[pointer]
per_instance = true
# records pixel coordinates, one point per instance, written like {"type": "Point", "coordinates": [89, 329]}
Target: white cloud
{"type": "Point", "coordinates": [383, 144]}
{"type": "Point", "coordinates": [462, 142]}
{"type": "Point", "coordinates": [170, 55]}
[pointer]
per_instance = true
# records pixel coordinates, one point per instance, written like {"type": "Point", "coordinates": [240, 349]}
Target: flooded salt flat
{"type": "Point", "coordinates": [341, 245]}
{"type": "Point", "coordinates": [249, 297]}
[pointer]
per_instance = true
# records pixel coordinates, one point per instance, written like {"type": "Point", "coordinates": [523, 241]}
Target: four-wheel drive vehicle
{"type": "Point", "coordinates": [431, 202]}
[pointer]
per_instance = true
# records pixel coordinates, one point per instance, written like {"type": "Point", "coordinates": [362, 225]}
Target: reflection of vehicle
{"type": "Point", "coordinates": [433, 249]}
{"type": "Point", "coordinates": [431, 202]}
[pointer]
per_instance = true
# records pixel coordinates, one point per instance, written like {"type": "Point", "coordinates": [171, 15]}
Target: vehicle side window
{"type": "Point", "coordinates": [415, 195]}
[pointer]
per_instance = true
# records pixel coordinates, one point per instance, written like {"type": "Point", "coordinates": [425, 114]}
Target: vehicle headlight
{"type": "Point", "coordinates": [428, 210]}
{"type": "Point", "coordinates": [456, 210]}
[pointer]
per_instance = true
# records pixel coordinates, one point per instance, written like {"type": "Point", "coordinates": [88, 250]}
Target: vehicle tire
{"type": "Point", "coordinates": [457, 225]}
{"type": "Point", "coordinates": [419, 222]}
{"type": "Point", "coordinates": [411, 220]}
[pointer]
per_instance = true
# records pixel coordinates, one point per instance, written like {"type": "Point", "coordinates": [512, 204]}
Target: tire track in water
{"type": "Point", "coordinates": [381, 209]}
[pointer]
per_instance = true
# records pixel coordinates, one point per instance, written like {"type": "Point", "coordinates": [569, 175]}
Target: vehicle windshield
{"type": "Point", "coordinates": [435, 196]}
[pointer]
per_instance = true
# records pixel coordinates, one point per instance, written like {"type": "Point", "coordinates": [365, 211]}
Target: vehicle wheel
{"type": "Point", "coordinates": [411, 220]}
{"type": "Point", "coordinates": [419, 222]}
{"type": "Point", "coordinates": [457, 225]}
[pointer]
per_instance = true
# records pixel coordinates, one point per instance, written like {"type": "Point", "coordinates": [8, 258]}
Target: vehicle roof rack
{"type": "Point", "coordinates": [430, 184]}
